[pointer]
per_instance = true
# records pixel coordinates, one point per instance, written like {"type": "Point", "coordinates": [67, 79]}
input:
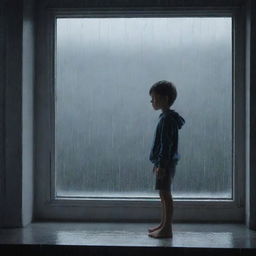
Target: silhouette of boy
{"type": "Point", "coordinates": [164, 153]}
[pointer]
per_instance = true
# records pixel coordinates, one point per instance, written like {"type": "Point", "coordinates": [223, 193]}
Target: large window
{"type": "Point", "coordinates": [95, 122]}
{"type": "Point", "coordinates": [104, 119]}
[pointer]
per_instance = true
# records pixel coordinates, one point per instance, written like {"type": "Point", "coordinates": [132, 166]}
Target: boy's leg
{"type": "Point", "coordinates": [168, 209]}
{"type": "Point", "coordinates": [166, 229]}
{"type": "Point", "coordinates": [162, 214]}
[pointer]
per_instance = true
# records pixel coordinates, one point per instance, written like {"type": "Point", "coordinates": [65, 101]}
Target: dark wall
{"type": "Point", "coordinates": [12, 118]}
{"type": "Point", "coordinates": [251, 85]}
{"type": "Point", "coordinates": [141, 3]}
{"type": "Point", "coordinates": [2, 59]}
{"type": "Point", "coordinates": [16, 115]}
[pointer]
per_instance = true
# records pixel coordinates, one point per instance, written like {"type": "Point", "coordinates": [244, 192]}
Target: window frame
{"type": "Point", "coordinates": [47, 206]}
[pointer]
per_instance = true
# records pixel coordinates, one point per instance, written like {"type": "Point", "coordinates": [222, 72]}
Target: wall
{"type": "Point", "coordinates": [27, 110]}
{"type": "Point", "coordinates": [12, 114]}
{"type": "Point", "coordinates": [17, 115]}
{"type": "Point", "coordinates": [251, 114]}
{"type": "Point", "coordinates": [2, 54]}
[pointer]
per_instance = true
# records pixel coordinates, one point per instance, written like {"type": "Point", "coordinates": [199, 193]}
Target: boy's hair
{"type": "Point", "coordinates": [164, 88]}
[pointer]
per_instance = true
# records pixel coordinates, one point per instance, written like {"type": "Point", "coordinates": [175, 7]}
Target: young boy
{"type": "Point", "coordinates": [164, 153]}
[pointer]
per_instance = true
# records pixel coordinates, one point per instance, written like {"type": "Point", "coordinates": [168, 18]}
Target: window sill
{"type": "Point", "coordinates": [95, 235]}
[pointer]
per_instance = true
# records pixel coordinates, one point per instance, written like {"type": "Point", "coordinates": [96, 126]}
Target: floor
{"type": "Point", "coordinates": [128, 239]}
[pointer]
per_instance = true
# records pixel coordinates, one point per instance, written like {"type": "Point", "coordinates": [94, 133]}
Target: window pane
{"type": "Point", "coordinates": [104, 119]}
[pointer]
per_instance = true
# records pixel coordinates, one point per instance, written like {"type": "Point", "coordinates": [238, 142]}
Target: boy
{"type": "Point", "coordinates": [164, 152]}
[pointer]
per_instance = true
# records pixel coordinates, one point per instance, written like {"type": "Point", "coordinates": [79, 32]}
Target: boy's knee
{"type": "Point", "coordinates": [165, 193]}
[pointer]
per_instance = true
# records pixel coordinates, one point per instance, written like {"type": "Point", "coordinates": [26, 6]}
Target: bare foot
{"type": "Point", "coordinates": [161, 233]}
{"type": "Point", "coordinates": [154, 228]}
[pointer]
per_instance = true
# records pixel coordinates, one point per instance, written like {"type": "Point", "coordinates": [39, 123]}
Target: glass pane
{"type": "Point", "coordinates": [104, 119]}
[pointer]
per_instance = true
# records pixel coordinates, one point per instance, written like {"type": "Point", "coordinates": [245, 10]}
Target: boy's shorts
{"type": "Point", "coordinates": [164, 182]}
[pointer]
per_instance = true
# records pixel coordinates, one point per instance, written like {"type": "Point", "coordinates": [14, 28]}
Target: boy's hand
{"type": "Point", "coordinates": [160, 171]}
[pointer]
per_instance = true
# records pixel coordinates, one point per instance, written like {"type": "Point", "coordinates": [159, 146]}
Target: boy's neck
{"type": "Point", "coordinates": [165, 109]}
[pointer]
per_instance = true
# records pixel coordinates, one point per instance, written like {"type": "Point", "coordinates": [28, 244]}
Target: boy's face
{"type": "Point", "coordinates": [158, 101]}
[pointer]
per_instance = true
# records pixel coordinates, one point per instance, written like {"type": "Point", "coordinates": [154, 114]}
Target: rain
{"type": "Point", "coordinates": [104, 122]}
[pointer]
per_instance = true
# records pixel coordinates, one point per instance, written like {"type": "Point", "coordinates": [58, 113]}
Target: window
{"type": "Point", "coordinates": [105, 123]}
{"type": "Point", "coordinates": [94, 144]}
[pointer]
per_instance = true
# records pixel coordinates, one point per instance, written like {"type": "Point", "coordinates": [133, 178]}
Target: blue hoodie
{"type": "Point", "coordinates": [164, 151]}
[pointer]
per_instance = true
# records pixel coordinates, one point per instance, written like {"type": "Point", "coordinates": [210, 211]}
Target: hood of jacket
{"type": "Point", "coordinates": [178, 118]}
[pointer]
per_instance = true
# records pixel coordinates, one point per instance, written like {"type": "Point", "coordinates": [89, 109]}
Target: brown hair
{"type": "Point", "coordinates": [164, 88]}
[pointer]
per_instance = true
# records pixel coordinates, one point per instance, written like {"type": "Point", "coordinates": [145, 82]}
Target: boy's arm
{"type": "Point", "coordinates": [165, 143]}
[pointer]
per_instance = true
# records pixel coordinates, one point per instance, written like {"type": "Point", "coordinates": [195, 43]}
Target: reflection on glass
{"type": "Point", "coordinates": [104, 120]}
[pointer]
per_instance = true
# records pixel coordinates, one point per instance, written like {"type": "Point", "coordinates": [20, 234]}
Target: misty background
{"type": "Point", "coordinates": [104, 121]}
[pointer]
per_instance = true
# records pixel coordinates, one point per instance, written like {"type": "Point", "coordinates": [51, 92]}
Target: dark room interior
{"type": "Point", "coordinates": [52, 50]}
